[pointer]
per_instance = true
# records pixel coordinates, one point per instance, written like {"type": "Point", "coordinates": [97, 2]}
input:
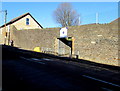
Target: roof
{"type": "Point", "coordinates": [116, 20]}
{"type": "Point", "coordinates": [18, 18]}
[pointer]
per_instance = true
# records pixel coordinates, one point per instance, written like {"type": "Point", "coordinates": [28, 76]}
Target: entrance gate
{"type": "Point", "coordinates": [69, 41]}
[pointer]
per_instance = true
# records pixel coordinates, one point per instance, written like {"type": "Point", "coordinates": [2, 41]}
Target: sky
{"type": "Point", "coordinates": [43, 11]}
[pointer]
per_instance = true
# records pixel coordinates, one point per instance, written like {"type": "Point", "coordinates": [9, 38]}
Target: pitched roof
{"type": "Point", "coordinates": [116, 20]}
{"type": "Point", "coordinates": [18, 18]}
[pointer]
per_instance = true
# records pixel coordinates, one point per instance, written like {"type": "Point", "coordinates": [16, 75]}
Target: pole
{"type": "Point", "coordinates": [8, 34]}
{"type": "Point", "coordinates": [71, 52]}
{"type": "Point", "coordinates": [73, 39]}
{"type": "Point", "coordinates": [5, 25]}
{"type": "Point", "coordinates": [5, 19]}
{"type": "Point", "coordinates": [79, 19]}
{"type": "Point", "coordinates": [72, 47]}
{"type": "Point", "coordinates": [97, 20]}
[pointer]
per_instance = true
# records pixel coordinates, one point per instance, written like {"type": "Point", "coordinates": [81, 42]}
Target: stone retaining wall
{"type": "Point", "coordinates": [95, 42]}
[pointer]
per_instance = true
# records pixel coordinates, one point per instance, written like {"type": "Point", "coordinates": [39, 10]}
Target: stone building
{"type": "Point", "coordinates": [25, 21]}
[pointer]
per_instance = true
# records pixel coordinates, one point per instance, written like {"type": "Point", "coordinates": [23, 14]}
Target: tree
{"type": "Point", "coordinates": [65, 15]}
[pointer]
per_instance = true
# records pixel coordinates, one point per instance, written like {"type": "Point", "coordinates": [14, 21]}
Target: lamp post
{"type": "Point", "coordinates": [97, 18]}
{"type": "Point", "coordinates": [5, 19]}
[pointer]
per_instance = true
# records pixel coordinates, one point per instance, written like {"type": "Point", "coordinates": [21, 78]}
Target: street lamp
{"type": "Point", "coordinates": [5, 19]}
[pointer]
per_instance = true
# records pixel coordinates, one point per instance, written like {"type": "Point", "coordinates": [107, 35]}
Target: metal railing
{"type": "Point", "coordinates": [52, 51]}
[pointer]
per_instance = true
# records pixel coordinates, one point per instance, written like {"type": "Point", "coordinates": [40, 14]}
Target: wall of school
{"type": "Point", "coordinates": [98, 43]}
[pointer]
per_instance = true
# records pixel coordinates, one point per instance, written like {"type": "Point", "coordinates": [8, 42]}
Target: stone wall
{"type": "Point", "coordinates": [95, 42]}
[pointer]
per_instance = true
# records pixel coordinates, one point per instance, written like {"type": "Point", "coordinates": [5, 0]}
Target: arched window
{"type": "Point", "coordinates": [27, 21]}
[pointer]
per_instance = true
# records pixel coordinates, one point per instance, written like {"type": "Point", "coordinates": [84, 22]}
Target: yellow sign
{"type": "Point", "coordinates": [37, 49]}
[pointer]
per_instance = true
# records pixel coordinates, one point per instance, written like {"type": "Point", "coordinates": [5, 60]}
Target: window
{"type": "Point", "coordinates": [27, 21]}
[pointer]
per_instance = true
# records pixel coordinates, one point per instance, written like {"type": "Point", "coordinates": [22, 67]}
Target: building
{"type": "Point", "coordinates": [25, 21]}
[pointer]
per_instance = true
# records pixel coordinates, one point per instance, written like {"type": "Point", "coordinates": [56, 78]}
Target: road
{"type": "Point", "coordinates": [51, 74]}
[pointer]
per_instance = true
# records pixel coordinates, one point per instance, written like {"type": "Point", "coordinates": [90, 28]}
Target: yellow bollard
{"type": "Point", "coordinates": [37, 49]}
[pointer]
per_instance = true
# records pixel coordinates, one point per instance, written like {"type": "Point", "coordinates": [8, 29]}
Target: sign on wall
{"type": "Point", "coordinates": [63, 32]}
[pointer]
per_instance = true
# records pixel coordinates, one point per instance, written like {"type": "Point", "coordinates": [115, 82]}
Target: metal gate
{"type": "Point", "coordinates": [61, 48]}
